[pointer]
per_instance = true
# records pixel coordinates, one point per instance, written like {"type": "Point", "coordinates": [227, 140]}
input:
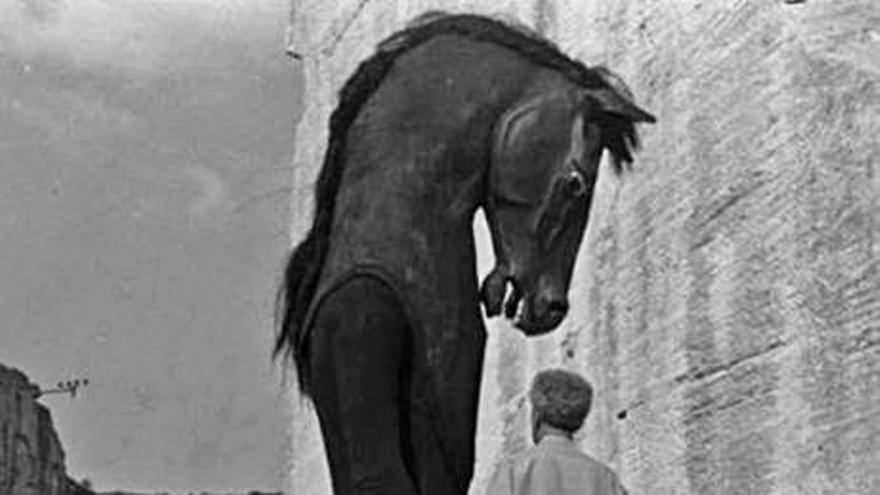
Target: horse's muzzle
{"type": "Point", "coordinates": [538, 316]}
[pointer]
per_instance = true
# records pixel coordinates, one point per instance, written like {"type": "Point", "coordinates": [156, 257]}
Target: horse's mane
{"type": "Point", "coordinates": [306, 261]}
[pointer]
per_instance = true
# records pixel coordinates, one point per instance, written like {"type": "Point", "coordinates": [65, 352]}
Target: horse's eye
{"type": "Point", "coordinates": [575, 184]}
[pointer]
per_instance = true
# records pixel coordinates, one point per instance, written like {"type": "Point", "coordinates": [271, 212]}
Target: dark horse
{"type": "Point", "coordinates": [380, 304]}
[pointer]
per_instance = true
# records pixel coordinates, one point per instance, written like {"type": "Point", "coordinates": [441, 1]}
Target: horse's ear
{"type": "Point", "coordinates": [616, 98]}
{"type": "Point", "coordinates": [609, 101]}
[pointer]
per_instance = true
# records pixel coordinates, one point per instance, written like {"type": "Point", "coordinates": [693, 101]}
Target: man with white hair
{"type": "Point", "coordinates": [555, 465]}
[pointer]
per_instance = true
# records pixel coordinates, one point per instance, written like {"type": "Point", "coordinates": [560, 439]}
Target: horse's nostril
{"type": "Point", "coordinates": [557, 307]}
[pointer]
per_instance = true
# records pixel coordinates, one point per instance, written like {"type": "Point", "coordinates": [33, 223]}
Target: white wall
{"type": "Point", "coordinates": [726, 297]}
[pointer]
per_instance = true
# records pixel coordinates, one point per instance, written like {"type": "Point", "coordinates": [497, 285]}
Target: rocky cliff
{"type": "Point", "coordinates": [726, 303]}
{"type": "Point", "coordinates": [31, 457]}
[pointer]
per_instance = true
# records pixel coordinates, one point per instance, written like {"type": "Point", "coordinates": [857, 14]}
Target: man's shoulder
{"type": "Point", "coordinates": [559, 450]}
{"type": "Point", "coordinates": [549, 465]}
{"type": "Point", "coordinates": [597, 465]}
{"type": "Point", "coordinates": [574, 458]}
{"type": "Point", "coordinates": [588, 459]}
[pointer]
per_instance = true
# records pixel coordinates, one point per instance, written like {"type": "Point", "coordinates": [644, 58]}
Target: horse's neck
{"type": "Point", "coordinates": [407, 204]}
{"type": "Point", "coordinates": [409, 212]}
{"type": "Point", "coordinates": [418, 157]}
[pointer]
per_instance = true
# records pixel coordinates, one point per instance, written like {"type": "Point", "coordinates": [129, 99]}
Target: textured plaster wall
{"type": "Point", "coordinates": [31, 457]}
{"type": "Point", "coordinates": [726, 304]}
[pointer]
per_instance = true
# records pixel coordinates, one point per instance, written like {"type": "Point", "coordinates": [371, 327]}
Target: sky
{"type": "Point", "coordinates": [145, 153]}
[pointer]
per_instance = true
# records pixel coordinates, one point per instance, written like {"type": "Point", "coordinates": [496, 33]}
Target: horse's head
{"type": "Point", "coordinates": [545, 162]}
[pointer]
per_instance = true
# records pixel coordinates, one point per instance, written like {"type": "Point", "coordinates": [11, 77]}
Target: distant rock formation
{"type": "Point", "coordinates": [31, 456]}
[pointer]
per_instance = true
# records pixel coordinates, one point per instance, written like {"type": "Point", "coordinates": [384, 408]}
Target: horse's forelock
{"type": "Point", "coordinates": [620, 137]}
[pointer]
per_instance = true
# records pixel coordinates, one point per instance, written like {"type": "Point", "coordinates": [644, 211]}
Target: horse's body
{"type": "Point", "coordinates": [382, 303]}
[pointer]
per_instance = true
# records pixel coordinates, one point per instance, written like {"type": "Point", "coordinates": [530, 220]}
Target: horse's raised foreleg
{"type": "Point", "coordinates": [358, 356]}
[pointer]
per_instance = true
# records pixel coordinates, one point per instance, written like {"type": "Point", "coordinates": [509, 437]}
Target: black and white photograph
{"type": "Point", "coordinates": [439, 247]}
